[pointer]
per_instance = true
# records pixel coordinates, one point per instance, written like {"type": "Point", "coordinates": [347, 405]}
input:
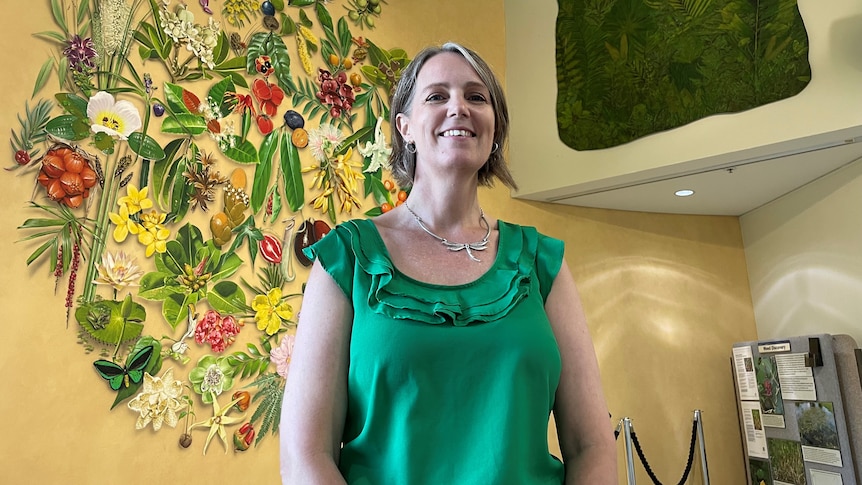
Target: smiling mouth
{"type": "Point", "coordinates": [461, 133]}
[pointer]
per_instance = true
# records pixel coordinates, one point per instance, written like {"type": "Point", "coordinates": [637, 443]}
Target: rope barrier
{"type": "Point", "coordinates": [647, 466]}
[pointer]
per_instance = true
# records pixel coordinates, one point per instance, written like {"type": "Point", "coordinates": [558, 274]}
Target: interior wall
{"type": "Point", "coordinates": [665, 296]}
{"type": "Point", "coordinates": [803, 257]}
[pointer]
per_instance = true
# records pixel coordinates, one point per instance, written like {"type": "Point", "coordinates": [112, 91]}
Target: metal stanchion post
{"type": "Point", "coordinates": [630, 462]}
{"type": "Point", "coordinates": [699, 418]}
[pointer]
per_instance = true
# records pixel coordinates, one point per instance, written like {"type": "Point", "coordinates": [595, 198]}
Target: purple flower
{"type": "Point", "coordinates": [80, 53]}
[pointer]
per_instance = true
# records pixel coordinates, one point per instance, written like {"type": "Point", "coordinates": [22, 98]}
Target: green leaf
{"type": "Point", "coordinates": [42, 77]}
{"type": "Point", "coordinates": [246, 231]}
{"type": "Point", "coordinates": [229, 265]}
{"type": "Point", "coordinates": [161, 168]}
{"type": "Point", "coordinates": [104, 142]}
{"type": "Point", "coordinates": [267, 44]}
{"type": "Point", "coordinates": [174, 308]}
{"type": "Point", "coordinates": [110, 327]}
{"type": "Point", "coordinates": [350, 140]}
{"type": "Point", "coordinates": [263, 171]}
{"type": "Point", "coordinates": [184, 124]}
{"type": "Point", "coordinates": [278, 4]}
{"type": "Point", "coordinates": [73, 104]}
{"type": "Point", "coordinates": [288, 26]}
{"type": "Point", "coordinates": [67, 127]}
{"type": "Point", "coordinates": [324, 17]}
{"type": "Point", "coordinates": [145, 146]}
{"type": "Point", "coordinates": [174, 98]}
{"type": "Point", "coordinates": [59, 16]}
{"type": "Point", "coordinates": [81, 16]}
{"type": "Point", "coordinates": [158, 286]}
{"type": "Point", "coordinates": [222, 48]}
{"type": "Point", "coordinates": [231, 64]}
{"type": "Point", "coordinates": [55, 36]}
{"type": "Point", "coordinates": [344, 37]}
{"type": "Point", "coordinates": [180, 189]}
{"type": "Point", "coordinates": [236, 77]}
{"type": "Point", "coordinates": [227, 297]}
{"type": "Point", "coordinates": [41, 249]}
{"type": "Point", "coordinates": [217, 92]}
{"type": "Point", "coordinates": [301, 3]}
{"type": "Point", "coordinates": [243, 151]}
{"type": "Point", "coordinates": [291, 170]}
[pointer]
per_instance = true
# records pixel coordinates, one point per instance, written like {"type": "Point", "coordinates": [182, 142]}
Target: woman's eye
{"type": "Point", "coordinates": [434, 97]}
{"type": "Point", "coordinates": [477, 98]}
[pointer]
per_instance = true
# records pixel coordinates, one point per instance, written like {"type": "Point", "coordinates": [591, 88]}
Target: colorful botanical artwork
{"type": "Point", "coordinates": [630, 68]}
{"type": "Point", "coordinates": [182, 155]}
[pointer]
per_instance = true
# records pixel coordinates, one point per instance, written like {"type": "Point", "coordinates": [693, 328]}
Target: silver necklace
{"type": "Point", "coordinates": [469, 247]}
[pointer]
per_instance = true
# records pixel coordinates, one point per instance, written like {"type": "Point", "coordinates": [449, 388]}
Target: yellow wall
{"type": "Point", "coordinates": [666, 296]}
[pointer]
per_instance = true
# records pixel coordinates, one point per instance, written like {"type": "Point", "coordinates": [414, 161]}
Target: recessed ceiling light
{"type": "Point", "coordinates": [683, 193]}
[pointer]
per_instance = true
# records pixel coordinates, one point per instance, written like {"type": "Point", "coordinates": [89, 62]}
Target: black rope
{"type": "Point", "coordinates": [687, 466]}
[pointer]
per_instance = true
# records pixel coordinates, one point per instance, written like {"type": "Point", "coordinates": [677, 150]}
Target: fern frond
{"type": "Point", "coordinates": [270, 393]}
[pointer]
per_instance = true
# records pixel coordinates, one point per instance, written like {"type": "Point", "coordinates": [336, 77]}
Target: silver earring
{"type": "Point", "coordinates": [410, 147]}
{"type": "Point", "coordinates": [495, 148]}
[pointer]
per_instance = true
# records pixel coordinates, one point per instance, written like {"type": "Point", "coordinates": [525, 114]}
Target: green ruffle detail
{"type": "Point", "coordinates": [486, 299]}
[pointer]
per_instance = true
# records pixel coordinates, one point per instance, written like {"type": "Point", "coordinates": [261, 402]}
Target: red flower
{"type": "Point", "coordinates": [240, 102]}
{"type": "Point", "coordinates": [269, 96]}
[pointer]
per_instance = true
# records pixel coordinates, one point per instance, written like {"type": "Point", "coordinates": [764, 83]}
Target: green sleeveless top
{"type": "Point", "coordinates": [448, 384]}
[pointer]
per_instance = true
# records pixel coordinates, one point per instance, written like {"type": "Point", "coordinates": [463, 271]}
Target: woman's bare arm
{"type": "Point", "coordinates": [315, 397]}
{"type": "Point", "coordinates": [581, 412]}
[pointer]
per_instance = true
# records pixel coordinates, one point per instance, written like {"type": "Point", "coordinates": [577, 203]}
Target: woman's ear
{"type": "Point", "coordinates": [402, 124]}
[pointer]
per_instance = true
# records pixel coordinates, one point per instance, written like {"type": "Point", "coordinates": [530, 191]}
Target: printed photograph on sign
{"type": "Point", "coordinates": [786, 459]}
{"type": "Point", "coordinates": [760, 472]}
{"type": "Point", "coordinates": [818, 432]}
{"type": "Point", "coordinates": [769, 389]}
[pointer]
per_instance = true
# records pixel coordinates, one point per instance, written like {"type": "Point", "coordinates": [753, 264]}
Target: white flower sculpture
{"type": "Point", "coordinates": [116, 118]}
{"type": "Point", "coordinates": [378, 151]}
{"type": "Point", "coordinates": [159, 401]}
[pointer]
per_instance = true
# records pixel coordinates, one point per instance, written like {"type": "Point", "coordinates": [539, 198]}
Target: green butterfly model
{"type": "Point", "coordinates": [133, 371]}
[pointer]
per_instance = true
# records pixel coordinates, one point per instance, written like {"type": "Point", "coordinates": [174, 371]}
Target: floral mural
{"type": "Point", "coordinates": [182, 156]}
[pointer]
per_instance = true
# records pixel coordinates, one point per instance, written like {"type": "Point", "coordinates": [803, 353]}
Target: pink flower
{"type": "Point", "coordinates": [217, 331]}
{"type": "Point", "coordinates": [280, 356]}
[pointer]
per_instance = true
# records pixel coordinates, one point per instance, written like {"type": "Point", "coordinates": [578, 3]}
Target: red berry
{"type": "Point", "coordinates": [22, 157]}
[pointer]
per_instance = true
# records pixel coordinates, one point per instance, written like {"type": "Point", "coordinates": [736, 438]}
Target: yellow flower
{"type": "Point", "coordinates": [124, 224]}
{"type": "Point", "coordinates": [136, 200]}
{"type": "Point", "coordinates": [156, 240]}
{"type": "Point", "coordinates": [153, 220]}
{"type": "Point", "coordinates": [270, 311]}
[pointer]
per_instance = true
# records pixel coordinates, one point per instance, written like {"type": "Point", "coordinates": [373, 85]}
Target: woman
{"type": "Point", "coordinates": [435, 340]}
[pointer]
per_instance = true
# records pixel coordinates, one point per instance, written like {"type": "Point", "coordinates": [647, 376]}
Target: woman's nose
{"type": "Point", "coordinates": [458, 107]}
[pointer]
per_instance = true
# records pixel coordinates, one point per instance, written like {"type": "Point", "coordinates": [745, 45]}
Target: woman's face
{"type": "Point", "coordinates": [451, 119]}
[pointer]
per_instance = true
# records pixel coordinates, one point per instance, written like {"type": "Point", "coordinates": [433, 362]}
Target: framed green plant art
{"type": "Point", "coordinates": [630, 68]}
{"type": "Point", "coordinates": [182, 155]}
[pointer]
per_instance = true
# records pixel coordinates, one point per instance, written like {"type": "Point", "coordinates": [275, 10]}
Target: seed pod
{"type": "Point", "coordinates": [270, 249]}
{"type": "Point", "coordinates": [309, 232]}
